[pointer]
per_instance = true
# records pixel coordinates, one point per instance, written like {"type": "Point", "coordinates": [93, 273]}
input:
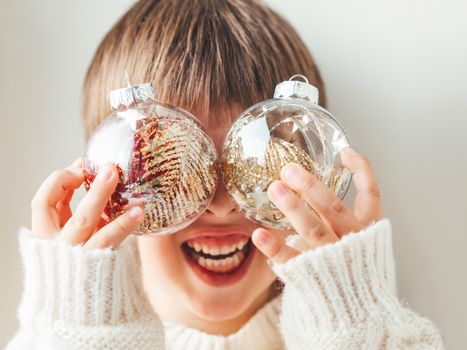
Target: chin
{"type": "Point", "coordinates": [220, 308]}
{"type": "Point", "coordinates": [222, 303]}
{"type": "Point", "coordinates": [213, 274]}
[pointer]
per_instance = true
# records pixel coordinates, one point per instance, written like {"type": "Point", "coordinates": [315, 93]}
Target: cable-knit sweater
{"type": "Point", "coordinates": [339, 296]}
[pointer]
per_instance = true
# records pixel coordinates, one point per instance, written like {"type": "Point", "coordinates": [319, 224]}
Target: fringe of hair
{"type": "Point", "coordinates": [211, 55]}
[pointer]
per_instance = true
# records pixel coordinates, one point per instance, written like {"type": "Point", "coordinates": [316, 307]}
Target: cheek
{"type": "Point", "coordinates": [165, 273]}
{"type": "Point", "coordinates": [242, 298]}
{"type": "Point", "coordinates": [161, 260]}
{"type": "Point", "coordinates": [262, 273]}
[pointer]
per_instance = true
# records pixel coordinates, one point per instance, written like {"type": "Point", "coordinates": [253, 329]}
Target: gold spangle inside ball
{"type": "Point", "coordinates": [196, 177]}
{"type": "Point", "coordinates": [270, 135]}
{"type": "Point", "coordinates": [248, 180]}
{"type": "Point", "coordinates": [185, 178]}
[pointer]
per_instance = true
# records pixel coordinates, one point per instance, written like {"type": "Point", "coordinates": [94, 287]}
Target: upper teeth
{"type": "Point", "coordinates": [216, 250]}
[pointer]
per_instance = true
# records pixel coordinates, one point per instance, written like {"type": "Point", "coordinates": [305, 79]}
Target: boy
{"type": "Point", "coordinates": [213, 58]}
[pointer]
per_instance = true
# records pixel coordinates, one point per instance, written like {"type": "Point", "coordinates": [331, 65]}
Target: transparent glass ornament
{"type": "Point", "coordinates": [291, 127]}
{"type": "Point", "coordinates": [166, 161]}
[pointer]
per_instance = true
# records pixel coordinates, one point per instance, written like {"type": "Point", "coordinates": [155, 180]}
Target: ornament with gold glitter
{"type": "Point", "coordinates": [166, 161]}
{"type": "Point", "coordinates": [291, 127]}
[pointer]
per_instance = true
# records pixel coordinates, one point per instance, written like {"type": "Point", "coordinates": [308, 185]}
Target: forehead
{"type": "Point", "coordinates": [222, 116]}
{"type": "Point", "coordinates": [217, 121]}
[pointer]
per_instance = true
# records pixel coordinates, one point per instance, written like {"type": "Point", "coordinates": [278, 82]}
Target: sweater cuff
{"type": "Point", "coordinates": [343, 284]}
{"type": "Point", "coordinates": [75, 285]}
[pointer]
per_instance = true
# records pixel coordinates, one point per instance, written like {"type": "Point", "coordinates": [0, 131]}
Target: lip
{"type": "Point", "coordinates": [219, 241]}
{"type": "Point", "coordinates": [221, 279]}
{"type": "Point", "coordinates": [220, 232]}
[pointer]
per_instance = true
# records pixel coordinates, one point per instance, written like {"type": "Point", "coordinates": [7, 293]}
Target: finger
{"type": "Point", "coordinates": [63, 206]}
{"type": "Point", "coordinates": [101, 223]}
{"type": "Point", "coordinates": [273, 247]}
{"type": "Point", "coordinates": [44, 215]}
{"type": "Point", "coordinates": [64, 209]}
{"type": "Point", "coordinates": [57, 184]}
{"type": "Point", "coordinates": [112, 234]}
{"type": "Point", "coordinates": [66, 200]}
{"type": "Point", "coordinates": [330, 208]}
{"type": "Point", "coordinates": [314, 231]}
{"type": "Point", "coordinates": [86, 217]}
{"type": "Point", "coordinates": [367, 205]}
{"type": "Point", "coordinates": [76, 167]}
{"type": "Point", "coordinates": [78, 163]}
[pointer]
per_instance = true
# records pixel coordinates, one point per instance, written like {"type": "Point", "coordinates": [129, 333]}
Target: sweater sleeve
{"type": "Point", "coordinates": [76, 298]}
{"type": "Point", "coordinates": [343, 296]}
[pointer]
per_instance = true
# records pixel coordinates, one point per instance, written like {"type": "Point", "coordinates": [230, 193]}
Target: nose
{"type": "Point", "coordinates": [221, 205]}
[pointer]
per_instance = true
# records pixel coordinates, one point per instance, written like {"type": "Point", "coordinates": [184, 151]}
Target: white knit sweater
{"type": "Point", "coordinates": [339, 296]}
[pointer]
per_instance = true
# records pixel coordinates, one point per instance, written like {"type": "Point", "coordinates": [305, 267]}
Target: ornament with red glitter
{"type": "Point", "coordinates": [166, 162]}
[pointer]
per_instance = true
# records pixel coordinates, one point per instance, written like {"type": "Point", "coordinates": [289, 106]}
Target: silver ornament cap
{"type": "Point", "coordinates": [131, 95]}
{"type": "Point", "coordinates": [297, 89]}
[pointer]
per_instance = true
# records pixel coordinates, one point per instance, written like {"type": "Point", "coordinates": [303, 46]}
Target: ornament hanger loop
{"type": "Point", "coordinates": [127, 78]}
{"type": "Point", "coordinates": [128, 83]}
{"type": "Point", "coordinates": [130, 95]}
{"type": "Point", "coordinates": [294, 88]}
{"type": "Point", "coordinates": [305, 79]}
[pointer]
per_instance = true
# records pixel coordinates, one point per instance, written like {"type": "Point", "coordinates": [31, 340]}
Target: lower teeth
{"type": "Point", "coordinates": [221, 265]}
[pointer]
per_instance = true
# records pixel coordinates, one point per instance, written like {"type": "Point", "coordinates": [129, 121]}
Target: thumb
{"type": "Point", "coordinates": [272, 246]}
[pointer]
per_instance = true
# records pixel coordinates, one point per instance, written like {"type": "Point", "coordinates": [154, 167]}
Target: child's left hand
{"type": "Point", "coordinates": [335, 218]}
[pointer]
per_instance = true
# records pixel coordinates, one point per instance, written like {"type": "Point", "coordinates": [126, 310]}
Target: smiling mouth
{"type": "Point", "coordinates": [219, 260]}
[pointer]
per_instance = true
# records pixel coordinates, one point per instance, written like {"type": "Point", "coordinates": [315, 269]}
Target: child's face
{"type": "Point", "coordinates": [180, 290]}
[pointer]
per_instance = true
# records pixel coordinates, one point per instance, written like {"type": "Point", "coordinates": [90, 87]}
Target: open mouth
{"type": "Point", "coordinates": [219, 264]}
{"type": "Point", "coordinates": [219, 260]}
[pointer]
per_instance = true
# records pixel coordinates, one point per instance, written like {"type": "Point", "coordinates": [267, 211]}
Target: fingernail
{"type": "Point", "coordinates": [76, 171]}
{"type": "Point", "coordinates": [105, 173]}
{"type": "Point", "coordinates": [77, 162]}
{"type": "Point", "coordinates": [348, 149]}
{"type": "Point", "coordinates": [290, 171]}
{"type": "Point", "coordinates": [263, 238]}
{"type": "Point", "coordinates": [278, 189]}
{"type": "Point", "coordinates": [135, 212]}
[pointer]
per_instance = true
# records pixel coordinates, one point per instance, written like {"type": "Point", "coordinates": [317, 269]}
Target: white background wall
{"type": "Point", "coordinates": [396, 77]}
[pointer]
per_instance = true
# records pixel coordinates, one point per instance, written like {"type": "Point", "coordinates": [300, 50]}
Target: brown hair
{"type": "Point", "coordinates": [209, 54]}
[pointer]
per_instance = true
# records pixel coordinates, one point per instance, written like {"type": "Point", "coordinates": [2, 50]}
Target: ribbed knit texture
{"type": "Point", "coordinates": [84, 299]}
{"type": "Point", "coordinates": [339, 296]}
{"type": "Point", "coordinates": [343, 296]}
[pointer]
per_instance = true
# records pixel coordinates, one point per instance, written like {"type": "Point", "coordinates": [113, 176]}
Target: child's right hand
{"type": "Point", "coordinates": [51, 210]}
